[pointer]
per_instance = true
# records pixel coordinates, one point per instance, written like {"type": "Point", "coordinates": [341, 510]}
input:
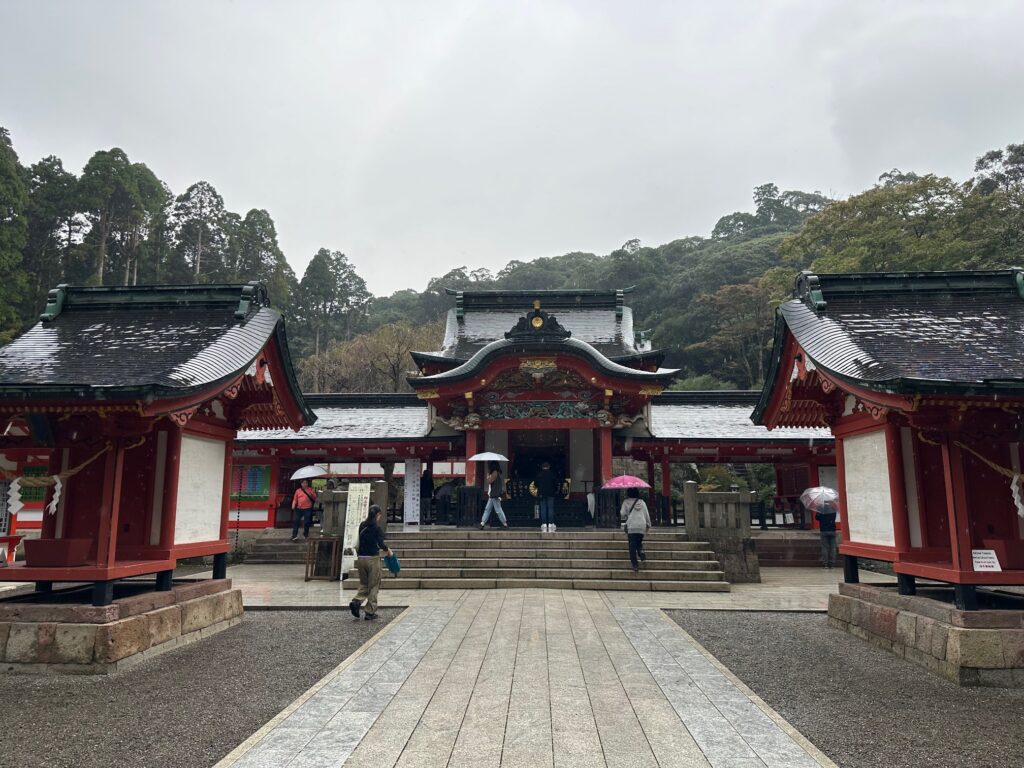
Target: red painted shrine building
{"type": "Point", "coordinates": [124, 403]}
{"type": "Point", "coordinates": [920, 378]}
{"type": "Point", "coordinates": [555, 376]}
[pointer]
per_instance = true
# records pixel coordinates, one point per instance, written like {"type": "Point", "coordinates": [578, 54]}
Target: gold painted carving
{"type": "Point", "coordinates": [651, 390]}
{"type": "Point", "coordinates": [538, 364]}
{"type": "Point", "coordinates": [427, 394]}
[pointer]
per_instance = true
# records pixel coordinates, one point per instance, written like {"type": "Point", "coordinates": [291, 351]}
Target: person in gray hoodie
{"type": "Point", "coordinates": [637, 522]}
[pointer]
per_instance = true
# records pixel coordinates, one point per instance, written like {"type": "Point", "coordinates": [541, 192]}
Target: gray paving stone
{"type": "Point", "coordinates": [524, 677]}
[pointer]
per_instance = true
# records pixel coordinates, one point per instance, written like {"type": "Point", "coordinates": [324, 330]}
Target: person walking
{"type": "Point", "coordinates": [494, 490]}
{"type": "Point", "coordinates": [637, 521]}
{"type": "Point", "coordinates": [371, 544]}
{"type": "Point", "coordinates": [302, 509]}
{"type": "Point", "coordinates": [826, 517]}
{"type": "Point", "coordinates": [547, 486]}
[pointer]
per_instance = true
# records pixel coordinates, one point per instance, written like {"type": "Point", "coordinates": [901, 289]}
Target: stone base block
{"type": "Point", "coordinates": [971, 648]}
{"type": "Point", "coordinates": [148, 626]}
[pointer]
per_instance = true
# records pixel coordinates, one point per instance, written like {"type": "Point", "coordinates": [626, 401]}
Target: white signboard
{"type": "Point", "coordinates": [985, 560]}
{"type": "Point", "coordinates": [200, 490]}
{"type": "Point", "coordinates": [868, 500]}
{"type": "Point", "coordinates": [356, 507]}
{"type": "Point", "coordinates": [412, 491]}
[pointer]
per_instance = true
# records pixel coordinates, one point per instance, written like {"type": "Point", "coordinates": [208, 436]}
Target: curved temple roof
{"type": "Point", "coordinates": [562, 346]}
{"type": "Point", "coordinates": [907, 333]}
{"type": "Point", "coordinates": [597, 317]}
{"type": "Point", "coordinates": [143, 343]}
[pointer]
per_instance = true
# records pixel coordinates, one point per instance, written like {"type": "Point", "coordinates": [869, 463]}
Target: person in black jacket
{"type": "Point", "coordinates": [371, 544]}
{"type": "Point", "coordinates": [547, 486]}
{"type": "Point", "coordinates": [826, 517]}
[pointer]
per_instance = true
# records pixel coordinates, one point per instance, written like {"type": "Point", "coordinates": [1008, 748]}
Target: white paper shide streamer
{"type": "Point", "coordinates": [57, 488]}
{"type": "Point", "coordinates": [1015, 491]}
{"type": "Point", "coordinates": [14, 504]}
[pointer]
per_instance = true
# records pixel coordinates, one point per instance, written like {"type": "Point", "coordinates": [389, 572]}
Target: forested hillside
{"type": "Point", "coordinates": [708, 301]}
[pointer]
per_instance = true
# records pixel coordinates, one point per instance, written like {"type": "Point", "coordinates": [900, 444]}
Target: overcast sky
{"type": "Point", "coordinates": [420, 136]}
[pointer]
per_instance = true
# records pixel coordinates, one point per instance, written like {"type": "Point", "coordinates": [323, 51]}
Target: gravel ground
{"type": "Point", "coordinates": [186, 708]}
{"type": "Point", "coordinates": [861, 705]}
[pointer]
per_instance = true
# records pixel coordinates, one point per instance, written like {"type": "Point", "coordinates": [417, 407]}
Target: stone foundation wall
{"type": "Point", "coordinates": [737, 556]}
{"type": "Point", "coordinates": [83, 639]}
{"type": "Point", "coordinates": [971, 648]}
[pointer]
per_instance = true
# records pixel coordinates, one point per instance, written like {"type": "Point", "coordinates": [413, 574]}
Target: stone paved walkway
{"type": "Point", "coordinates": [781, 589]}
{"type": "Point", "coordinates": [529, 678]}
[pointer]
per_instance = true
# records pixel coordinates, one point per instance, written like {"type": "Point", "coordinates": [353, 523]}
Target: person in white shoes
{"type": "Point", "coordinates": [547, 486]}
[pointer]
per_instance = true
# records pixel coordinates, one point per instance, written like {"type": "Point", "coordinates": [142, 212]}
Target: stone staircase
{"type": "Point", "coordinates": [466, 559]}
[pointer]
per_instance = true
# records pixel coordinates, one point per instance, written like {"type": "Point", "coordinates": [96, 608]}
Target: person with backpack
{"type": "Point", "coordinates": [302, 509]}
{"type": "Point", "coordinates": [637, 522]}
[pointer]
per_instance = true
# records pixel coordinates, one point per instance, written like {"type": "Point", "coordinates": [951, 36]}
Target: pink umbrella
{"type": "Point", "coordinates": [624, 481]}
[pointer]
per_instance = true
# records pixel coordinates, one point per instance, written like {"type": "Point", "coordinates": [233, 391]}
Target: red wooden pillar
{"type": "Point", "coordinates": [471, 448]}
{"type": "Point", "coordinates": [956, 503]}
{"type": "Point", "coordinates": [225, 504]}
{"type": "Point", "coordinates": [58, 463]}
{"type": "Point", "coordinates": [841, 482]}
{"type": "Point", "coordinates": [897, 490]}
{"type": "Point", "coordinates": [110, 506]}
{"type": "Point", "coordinates": [605, 439]}
{"type": "Point", "coordinates": [168, 515]}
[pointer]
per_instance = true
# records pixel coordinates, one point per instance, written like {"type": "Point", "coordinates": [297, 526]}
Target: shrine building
{"type": "Point", "coordinates": [920, 378]}
{"type": "Point", "coordinates": [125, 403]}
{"type": "Point", "coordinates": [537, 376]}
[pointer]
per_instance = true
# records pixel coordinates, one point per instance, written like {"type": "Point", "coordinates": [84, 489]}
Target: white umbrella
{"type": "Point", "coordinates": [816, 498]}
{"type": "Point", "coordinates": [306, 472]}
{"type": "Point", "coordinates": [487, 456]}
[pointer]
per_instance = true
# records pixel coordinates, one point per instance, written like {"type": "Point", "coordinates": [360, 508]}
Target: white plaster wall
{"type": "Point", "coordinates": [868, 501]}
{"type": "Point", "coordinates": [200, 490]}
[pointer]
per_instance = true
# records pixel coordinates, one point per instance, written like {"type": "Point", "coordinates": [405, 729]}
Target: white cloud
{"type": "Point", "coordinates": [420, 136]}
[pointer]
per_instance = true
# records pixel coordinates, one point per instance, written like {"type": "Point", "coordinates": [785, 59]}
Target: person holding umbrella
{"type": "Point", "coordinates": [302, 509]}
{"type": "Point", "coordinates": [824, 503]}
{"type": "Point", "coordinates": [494, 490]}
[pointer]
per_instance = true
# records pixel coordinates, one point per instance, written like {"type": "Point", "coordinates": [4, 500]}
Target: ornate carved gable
{"type": "Point", "coordinates": [537, 325]}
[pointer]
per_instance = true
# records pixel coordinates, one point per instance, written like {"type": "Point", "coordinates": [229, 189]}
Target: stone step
{"type": "Point", "coordinates": [455, 562]}
{"type": "Point", "coordinates": [634, 583]}
{"type": "Point", "coordinates": [558, 573]}
{"type": "Point", "coordinates": [528, 534]}
{"type": "Point", "coordinates": [551, 554]}
{"type": "Point", "coordinates": [500, 542]}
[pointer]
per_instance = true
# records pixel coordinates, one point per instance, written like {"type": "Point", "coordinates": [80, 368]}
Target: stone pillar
{"type": "Point", "coordinates": [412, 492]}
